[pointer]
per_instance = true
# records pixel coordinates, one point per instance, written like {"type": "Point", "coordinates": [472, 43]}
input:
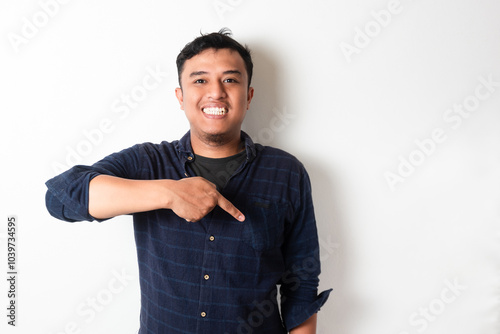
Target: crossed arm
{"type": "Point", "coordinates": [191, 198]}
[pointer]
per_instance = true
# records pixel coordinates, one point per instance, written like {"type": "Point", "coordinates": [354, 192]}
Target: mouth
{"type": "Point", "coordinates": [215, 111]}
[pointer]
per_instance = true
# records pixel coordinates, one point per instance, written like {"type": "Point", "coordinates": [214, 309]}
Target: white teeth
{"type": "Point", "coordinates": [215, 111]}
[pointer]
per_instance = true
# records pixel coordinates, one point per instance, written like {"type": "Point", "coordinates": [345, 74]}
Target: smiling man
{"type": "Point", "coordinates": [220, 222]}
{"type": "Point", "coordinates": [215, 95]}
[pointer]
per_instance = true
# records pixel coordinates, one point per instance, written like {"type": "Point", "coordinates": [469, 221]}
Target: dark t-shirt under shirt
{"type": "Point", "coordinates": [217, 171]}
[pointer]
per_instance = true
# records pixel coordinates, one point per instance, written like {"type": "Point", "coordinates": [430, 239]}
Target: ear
{"type": "Point", "coordinates": [249, 96]}
{"type": "Point", "coordinates": [180, 98]}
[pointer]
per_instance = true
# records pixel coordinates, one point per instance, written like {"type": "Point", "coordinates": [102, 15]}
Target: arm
{"type": "Point", "coordinates": [307, 327]}
{"type": "Point", "coordinates": [299, 285]}
{"type": "Point", "coordinates": [115, 186]}
{"type": "Point", "coordinates": [111, 196]}
{"type": "Point", "coordinates": [190, 198]}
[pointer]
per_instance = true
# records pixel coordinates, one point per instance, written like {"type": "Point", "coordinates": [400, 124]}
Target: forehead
{"type": "Point", "coordinates": [215, 60]}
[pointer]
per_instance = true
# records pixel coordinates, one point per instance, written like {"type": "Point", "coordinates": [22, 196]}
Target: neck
{"type": "Point", "coordinates": [216, 147]}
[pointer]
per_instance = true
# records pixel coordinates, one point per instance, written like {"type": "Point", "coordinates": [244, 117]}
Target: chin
{"type": "Point", "coordinates": [215, 139]}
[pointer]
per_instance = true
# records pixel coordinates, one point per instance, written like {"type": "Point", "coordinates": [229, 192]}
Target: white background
{"type": "Point", "coordinates": [390, 253]}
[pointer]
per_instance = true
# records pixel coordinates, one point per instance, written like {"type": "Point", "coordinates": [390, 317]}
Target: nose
{"type": "Point", "coordinates": [216, 90]}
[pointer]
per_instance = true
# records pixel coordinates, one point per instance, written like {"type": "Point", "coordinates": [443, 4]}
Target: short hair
{"type": "Point", "coordinates": [216, 40]}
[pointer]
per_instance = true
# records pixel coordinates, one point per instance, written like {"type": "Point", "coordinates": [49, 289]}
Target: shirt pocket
{"type": "Point", "coordinates": [264, 224]}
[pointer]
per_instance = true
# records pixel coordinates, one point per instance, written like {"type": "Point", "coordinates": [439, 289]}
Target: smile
{"type": "Point", "coordinates": [215, 111]}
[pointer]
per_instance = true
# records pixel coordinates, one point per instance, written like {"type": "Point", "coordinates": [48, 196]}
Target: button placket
{"type": "Point", "coordinates": [208, 269]}
{"type": "Point", "coordinates": [207, 276]}
{"type": "Point", "coordinates": [189, 158]}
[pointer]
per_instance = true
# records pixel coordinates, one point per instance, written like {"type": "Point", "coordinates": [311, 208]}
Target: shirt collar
{"type": "Point", "coordinates": [186, 151]}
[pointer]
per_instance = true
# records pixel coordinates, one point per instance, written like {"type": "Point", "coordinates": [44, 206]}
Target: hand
{"type": "Point", "coordinates": [193, 198]}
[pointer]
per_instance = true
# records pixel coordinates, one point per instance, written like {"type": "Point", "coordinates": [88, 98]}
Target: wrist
{"type": "Point", "coordinates": [166, 193]}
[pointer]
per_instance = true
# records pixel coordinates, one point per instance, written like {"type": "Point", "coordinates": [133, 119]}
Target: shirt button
{"type": "Point", "coordinates": [203, 314]}
{"type": "Point", "coordinates": [212, 238]}
{"type": "Point", "coordinates": [190, 158]}
{"type": "Point", "coordinates": [206, 277]}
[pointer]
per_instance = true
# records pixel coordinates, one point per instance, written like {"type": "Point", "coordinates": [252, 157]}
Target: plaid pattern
{"type": "Point", "coordinates": [218, 275]}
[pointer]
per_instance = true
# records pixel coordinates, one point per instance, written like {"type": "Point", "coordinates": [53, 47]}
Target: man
{"type": "Point", "coordinates": [219, 221]}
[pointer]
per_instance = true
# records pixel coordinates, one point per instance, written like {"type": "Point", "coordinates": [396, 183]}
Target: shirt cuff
{"type": "Point", "coordinates": [298, 314]}
{"type": "Point", "coordinates": [67, 195]}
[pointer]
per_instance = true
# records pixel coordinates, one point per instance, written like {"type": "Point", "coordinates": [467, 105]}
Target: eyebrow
{"type": "Point", "coordinates": [198, 73]}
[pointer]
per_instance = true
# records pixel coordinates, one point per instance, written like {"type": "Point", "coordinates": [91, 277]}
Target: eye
{"type": "Point", "coordinates": [200, 81]}
{"type": "Point", "coordinates": [231, 80]}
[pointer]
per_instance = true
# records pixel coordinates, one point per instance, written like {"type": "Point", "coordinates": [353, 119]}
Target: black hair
{"type": "Point", "coordinates": [216, 40]}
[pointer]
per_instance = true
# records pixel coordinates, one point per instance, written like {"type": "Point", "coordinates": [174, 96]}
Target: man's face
{"type": "Point", "coordinates": [215, 95]}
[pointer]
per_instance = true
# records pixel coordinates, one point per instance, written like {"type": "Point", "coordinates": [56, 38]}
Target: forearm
{"type": "Point", "coordinates": [307, 327]}
{"type": "Point", "coordinates": [111, 196]}
{"type": "Point", "coordinates": [190, 198]}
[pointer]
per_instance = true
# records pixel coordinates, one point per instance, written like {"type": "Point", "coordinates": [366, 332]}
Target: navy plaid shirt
{"type": "Point", "coordinates": [218, 275]}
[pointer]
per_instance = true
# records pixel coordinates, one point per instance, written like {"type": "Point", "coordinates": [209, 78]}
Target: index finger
{"type": "Point", "coordinates": [230, 208]}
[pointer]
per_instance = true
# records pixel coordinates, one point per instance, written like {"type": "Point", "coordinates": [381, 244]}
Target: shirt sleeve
{"type": "Point", "coordinates": [299, 284]}
{"type": "Point", "coordinates": [67, 197]}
